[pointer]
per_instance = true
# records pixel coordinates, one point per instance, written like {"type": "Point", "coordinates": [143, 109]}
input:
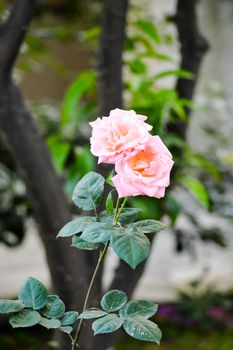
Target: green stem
{"type": "Point", "coordinates": [95, 212]}
{"type": "Point", "coordinates": [118, 212]}
{"type": "Point", "coordinates": [100, 260]}
{"type": "Point", "coordinates": [121, 208]}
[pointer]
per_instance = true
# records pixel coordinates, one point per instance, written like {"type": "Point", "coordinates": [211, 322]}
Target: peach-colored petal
{"type": "Point", "coordinates": [144, 171]}
{"type": "Point", "coordinates": [115, 136]}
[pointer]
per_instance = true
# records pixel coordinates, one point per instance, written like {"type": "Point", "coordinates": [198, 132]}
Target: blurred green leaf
{"type": "Point", "coordinates": [173, 208]}
{"type": "Point", "coordinates": [174, 72]}
{"type": "Point", "coordinates": [148, 27]}
{"type": "Point", "coordinates": [199, 160]}
{"type": "Point", "coordinates": [197, 189]}
{"type": "Point", "coordinates": [109, 204]}
{"type": "Point", "coordinates": [59, 151]}
{"type": "Point", "coordinates": [72, 111]}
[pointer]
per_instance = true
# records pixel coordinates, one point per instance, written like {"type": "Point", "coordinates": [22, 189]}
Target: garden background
{"type": "Point", "coordinates": [78, 61]}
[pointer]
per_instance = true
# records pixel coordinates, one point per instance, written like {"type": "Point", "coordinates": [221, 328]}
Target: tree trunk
{"type": "Point", "coordinates": [110, 55]}
{"type": "Point", "coordinates": [67, 266]}
{"type": "Point", "coordinates": [193, 48]}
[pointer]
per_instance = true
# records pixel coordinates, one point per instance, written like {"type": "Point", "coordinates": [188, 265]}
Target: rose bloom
{"type": "Point", "coordinates": [144, 172]}
{"type": "Point", "coordinates": [118, 134]}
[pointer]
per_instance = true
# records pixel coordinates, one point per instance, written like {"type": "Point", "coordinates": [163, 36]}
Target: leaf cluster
{"type": "Point", "coordinates": [127, 238]}
{"type": "Point", "coordinates": [35, 306]}
{"type": "Point", "coordinates": [133, 316]}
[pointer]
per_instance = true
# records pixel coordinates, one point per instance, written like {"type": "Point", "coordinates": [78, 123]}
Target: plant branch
{"type": "Point", "coordinates": [29, 151]}
{"type": "Point", "coordinates": [85, 306]}
{"type": "Point", "coordinates": [102, 255]}
{"type": "Point", "coordinates": [118, 213]}
{"type": "Point", "coordinates": [13, 32]}
{"type": "Point", "coordinates": [193, 48]}
{"type": "Point", "coordinates": [110, 55]}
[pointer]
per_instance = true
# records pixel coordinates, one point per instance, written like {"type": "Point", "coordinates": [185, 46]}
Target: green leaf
{"type": "Point", "coordinates": [113, 300]}
{"type": "Point", "coordinates": [7, 306]}
{"type": "Point", "coordinates": [79, 243]}
{"type": "Point", "coordinates": [149, 28]}
{"type": "Point", "coordinates": [173, 208]}
{"type": "Point", "coordinates": [109, 177]}
{"type": "Point", "coordinates": [109, 204]}
{"type": "Point", "coordinates": [139, 308]}
{"type": "Point", "coordinates": [71, 105]}
{"type": "Point", "coordinates": [174, 72]}
{"type": "Point", "coordinates": [148, 226]}
{"type": "Point", "coordinates": [131, 246]}
{"type": "Point", "coordinates": [92, 313]}
{"type": "Point", "coordinates": [140, 328]}
{"type": "Point", "coordinates": [129, 215]}
{"type": "Point", "coordinates": [107, 324]}
{"type": "Point", "coordinates": [69, 318]}
{"type": "Point", "coordinates": [50, 323]}
{"type": "Point", "coordinates": [197, 189]}
{"type": "Point", "coordinates": [66, 329]}
{"type": "Point", "coordinates": [25, 318]}
{"type": "Point", "coordinates": [98, 232]}
{"type": "Point", "coordinates": [54, 307]}
{"type": "Point", "coordinates": [88, 193]}
{"type": "Point", "coordinates": [198, 160]}
{"type": "Point", "coordinates": [84, 160]}
{"type": "Point", "coordinates": [76, 226]}
{"type": "Point", "coordinates": [59, 150]}
{"type": "Point", "coordinates": [33, 294]}
{"type": "Point", "coordinates": [137, 66]}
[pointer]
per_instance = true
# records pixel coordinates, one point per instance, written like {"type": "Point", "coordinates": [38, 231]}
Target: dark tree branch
{"type": "Point", "coordinates": [13, 32]}
{"type": "Point", "coordinates": [110, 84]}
{"type": "Point", "coordinates": [193, 48]}
{"type": "Point", "coordinates": [50, 207]}
{"type": "Point", "coordinates": [23, 139]}
{"type": "Point", "coordinates": [110, 55]}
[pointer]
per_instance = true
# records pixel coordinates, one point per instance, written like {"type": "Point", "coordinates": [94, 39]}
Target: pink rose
{"type": "Point", "coordinates": [144, 172]}
{"type": "Point", "coordinates": [117, 135]}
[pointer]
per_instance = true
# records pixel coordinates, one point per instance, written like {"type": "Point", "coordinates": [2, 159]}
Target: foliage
{"type": "Point", "coordinates": [13, 207]}
{"type": "Point", "coordinates": [147, 94]}
{"type": "Point", "coordinates": [131, 315]}
{"type": "Point", "coordinates": [128, 239]}
{"type": "Point", "coordinates": [177, 339]}
{"type": "Point", "coordinates": [35, 306]}
{"type": "Point", "coordinates": [67, 136]}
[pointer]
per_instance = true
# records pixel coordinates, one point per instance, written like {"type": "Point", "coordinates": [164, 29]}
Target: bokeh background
{"type": "Point", "coordinates": [64, 70]}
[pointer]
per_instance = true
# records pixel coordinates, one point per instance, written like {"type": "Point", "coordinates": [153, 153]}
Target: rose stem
{"type": "Point", "coordinates": [100, 260]}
